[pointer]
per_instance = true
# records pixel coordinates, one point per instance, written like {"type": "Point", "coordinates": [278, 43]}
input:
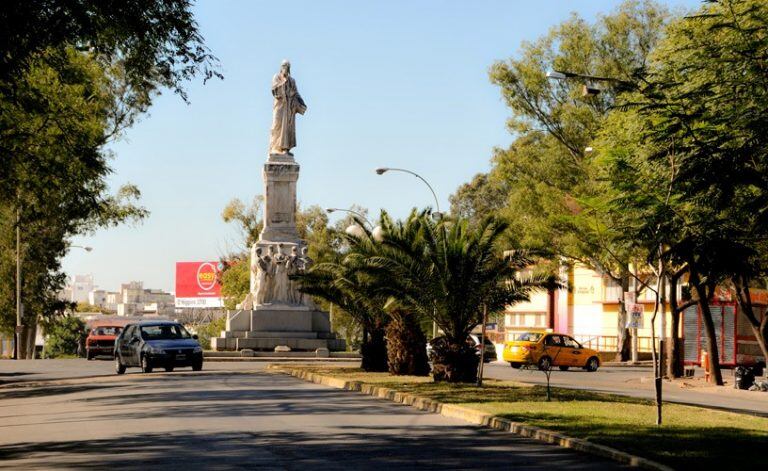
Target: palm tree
{"type": "Point", "coordinates": [339, 283]}
{"type": "Point", "coordinates": [447, 271]}
{"type": "Point", "coordinates": [393, 340]}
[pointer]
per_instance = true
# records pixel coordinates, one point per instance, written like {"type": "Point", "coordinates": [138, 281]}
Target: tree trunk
{"type": "Point", "coordinates": [24, 343]}
{"type": "Point", "coordinates": [454, 362]}
{"type": "Point", "coordinates": [406, 346]}
{"type": "Point", "coordinates": [675, 366]}
{"type": "Point", "coordinates": [374, 350]}
{"type": "Point", "coordinates": [624, 342]}
{"type": "Point", "coordinates": [709, 326]}
{"type": "Point", "coordinates": [31, 333]}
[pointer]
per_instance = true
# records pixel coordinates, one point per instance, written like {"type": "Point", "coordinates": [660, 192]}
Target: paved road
{"type": "Point", "coordinates": [635, 382]}
{"type": "Point", "coordinates": [638, 382]}
{"type": "Point", "coordinates": [226, 420]}
{"type": "Point", "coordinates": [12, 371]}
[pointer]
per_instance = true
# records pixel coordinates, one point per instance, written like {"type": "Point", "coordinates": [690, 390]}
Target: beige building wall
{"type": "Point", "coordinates": [592, 308]}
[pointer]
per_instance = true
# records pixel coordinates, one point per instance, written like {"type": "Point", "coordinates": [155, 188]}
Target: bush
{"type": "Point", "coordinates": [63, 336]}
{"type": "Point", "coordinates": [212, 329]}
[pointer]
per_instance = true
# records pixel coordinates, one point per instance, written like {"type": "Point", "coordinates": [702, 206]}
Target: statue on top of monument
{"type": "Point", "coordinates": [287, 103]}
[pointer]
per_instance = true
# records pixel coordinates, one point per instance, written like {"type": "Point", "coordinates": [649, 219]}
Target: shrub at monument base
{"type": "Point", "coordinates": [454, 362]}
{"type": "Point", "coordinates": [212, 329]}
{"type": "Point", "coordinates": [63, 336]}
{"type": "Point", "coordinates": [406, 346]}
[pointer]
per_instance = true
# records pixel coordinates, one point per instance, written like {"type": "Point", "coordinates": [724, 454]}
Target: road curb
{"type": "Point", "coordinates": [474, 416]}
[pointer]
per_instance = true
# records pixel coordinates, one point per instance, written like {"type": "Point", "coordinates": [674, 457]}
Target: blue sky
{"type": "Point", "coordinates": [387, 83]}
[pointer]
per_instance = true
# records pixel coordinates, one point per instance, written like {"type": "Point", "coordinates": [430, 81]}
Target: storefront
{"type": "Point", "coordinates": [736, 342]}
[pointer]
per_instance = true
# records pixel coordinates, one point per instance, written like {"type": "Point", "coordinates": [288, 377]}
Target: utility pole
{"type": "Point", "coordinates": [635, 340]}
{"type": "Point", "coordinates": [482, 347]}
{"type": "Point", "coordinates": [19, 329]}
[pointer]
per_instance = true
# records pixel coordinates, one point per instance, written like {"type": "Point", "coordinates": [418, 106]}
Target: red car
{"type": "Point", "coordinates": [101, 340]}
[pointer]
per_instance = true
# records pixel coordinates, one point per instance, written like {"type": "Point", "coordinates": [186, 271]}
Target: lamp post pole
{"type": "Point", "coordinates": [382, 170]}
{"type": "Point", "coordinates": [17, 342]}
{"type": "Point", "coordinates": [436, 215]}
{"type": "Point", "coordinates": [356, 213]}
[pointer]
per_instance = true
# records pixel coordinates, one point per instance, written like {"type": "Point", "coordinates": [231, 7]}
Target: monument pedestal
{"type": "Point", "coordinates": [274, 313]}
{"type": "Point", "coordinates": [267, 327]}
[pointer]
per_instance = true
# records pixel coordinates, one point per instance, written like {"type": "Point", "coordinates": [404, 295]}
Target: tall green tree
{"type": "Point", "coordinates": [546, 169]}
{"type": "Point", "coordinates": [74, 75]}
{"type": "Point", "coordinates": [706, 95]}
{"type": "Point", "coordinates": [55, 167]}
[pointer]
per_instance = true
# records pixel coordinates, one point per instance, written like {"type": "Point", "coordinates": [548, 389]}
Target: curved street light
{"type": "Point", "coordinates": [84, 247]}
{"type": "Point", "coordinates": [382, 170]}
{"type": "Point", "coordinates": [435, 215]}
{"type": "Point", "coordinates": [356, 213]}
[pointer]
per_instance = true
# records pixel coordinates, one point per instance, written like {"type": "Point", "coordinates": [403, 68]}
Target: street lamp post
{"type": "Point", "coordinates": [565, 75]}
{"type": "Point", "coordinates": [356, 213]}
{"type": "Point", "coordinates": [436, 215]}
{"type": "Point", "coordinates": [588, 88]}
{"type": "Point", "coordinates": [383, 170]}
{"type": "Point", "coordinates": [16, 349]}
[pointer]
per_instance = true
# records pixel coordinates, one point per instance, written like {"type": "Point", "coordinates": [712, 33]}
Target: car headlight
{"type": "Point", "coordinates": [198, 349]}
{"type": "Point", "coordinates": [156, 350]}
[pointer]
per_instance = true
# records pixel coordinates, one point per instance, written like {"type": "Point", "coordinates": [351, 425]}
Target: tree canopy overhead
{"type": "Point", "coordinates": [157, 40]}
{"type": "Point", "coordinates": [74, 74]}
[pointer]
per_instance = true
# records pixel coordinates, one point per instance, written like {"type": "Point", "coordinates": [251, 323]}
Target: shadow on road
{"type": "Point", "coordinates": [350, 448]}
{"type": "Point", "coordinates": [23, 393]}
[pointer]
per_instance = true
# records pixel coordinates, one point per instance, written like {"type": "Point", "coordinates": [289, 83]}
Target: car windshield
{"type": "Point", "coordinates": [529, 337]}
{"type": "Point", "coordinates": [106, 331]}
{"type": "Point", "coordinates": [164, 332]}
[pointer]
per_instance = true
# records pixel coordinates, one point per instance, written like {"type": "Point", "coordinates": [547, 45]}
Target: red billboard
{"type": "Point", "coordinates": [197, 284]}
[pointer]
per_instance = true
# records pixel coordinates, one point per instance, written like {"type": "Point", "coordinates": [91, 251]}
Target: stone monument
{"type": "Point", "coordinates": [275, 313]}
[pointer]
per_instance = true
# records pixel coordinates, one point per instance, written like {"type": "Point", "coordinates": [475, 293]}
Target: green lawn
{"type": "Point", "coordinates": [691, 437]}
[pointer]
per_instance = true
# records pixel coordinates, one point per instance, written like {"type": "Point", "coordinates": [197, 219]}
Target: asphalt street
{"type": "Point", "coordinates": [228, 417]}
{"type": "Point", "coordinates": [635, 381]}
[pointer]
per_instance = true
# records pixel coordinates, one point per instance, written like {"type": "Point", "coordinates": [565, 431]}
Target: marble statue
{"type": "Point", "coordinates": [293, 264]}
{"type": "Point", "coordinates": [264, 270]}
{"type": "Point", "coordinates": [287, 103]}
{"type": "Point", "coordinates": [280, 278]}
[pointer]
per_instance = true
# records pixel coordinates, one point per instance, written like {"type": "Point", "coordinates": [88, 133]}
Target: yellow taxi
{"type": "Point", "coordinates": [549, 349]}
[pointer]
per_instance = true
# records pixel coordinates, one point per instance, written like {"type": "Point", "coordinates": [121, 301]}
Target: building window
{"type": "Point", "coordinates": [526, 319]}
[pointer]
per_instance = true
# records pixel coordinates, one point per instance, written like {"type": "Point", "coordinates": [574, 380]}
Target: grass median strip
{"type": "Point", "coordinates": [690, 437]}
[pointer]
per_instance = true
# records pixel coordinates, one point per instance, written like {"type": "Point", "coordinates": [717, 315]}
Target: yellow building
{"type": "Point", "coordinates": [589, 311]}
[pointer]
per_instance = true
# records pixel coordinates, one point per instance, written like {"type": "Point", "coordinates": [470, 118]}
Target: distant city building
{"type": "Point", "coordinates": [97, 297]}
{"type": "Point", "coordinates": [134, 300]}
{"type": "Point", "coordinates": [131, 300]}
{"type": "Point", "coordinates": [77, 291]}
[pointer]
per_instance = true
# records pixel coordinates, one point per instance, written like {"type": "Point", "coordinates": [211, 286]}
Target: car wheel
{"type": "Point", "coordinates": [88, 355]}
{"type": "Point", "coordinates": [198, 366]}
{"type": "Point", "coordinates": [119, 367]}
{"type": "Point", "coordinates": [169, 369]}
{"type": "Point", "coordinates": [545, 363]}
{"type": "Point", "coordinates": [592, 364]}
{"type": "Point", "coordinates": [514, 365]}
{"type": "Point", "coordinates": [145, 366]}
{"type": "Point", "coordinates": [563, 368]}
